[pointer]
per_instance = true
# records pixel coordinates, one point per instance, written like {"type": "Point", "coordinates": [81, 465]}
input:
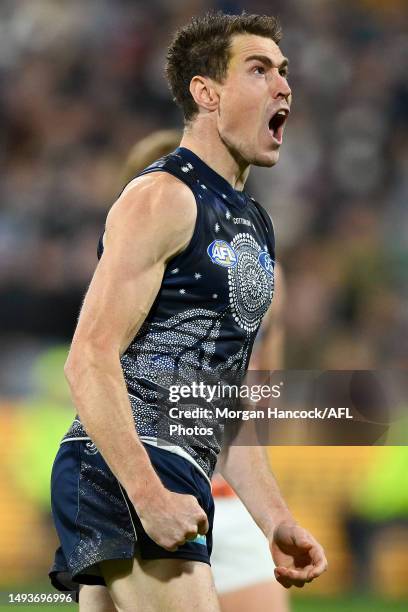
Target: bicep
{"type": "Point", "coordinates": [117, 302]}
{"type": "Point", "coordinates": [141, 234]}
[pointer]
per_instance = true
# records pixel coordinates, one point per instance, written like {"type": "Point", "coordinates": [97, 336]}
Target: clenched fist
{"type": "Point", "coordinates": [170, 519]}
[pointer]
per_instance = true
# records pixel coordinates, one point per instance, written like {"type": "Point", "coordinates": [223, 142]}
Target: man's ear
{"type": "Point", "coordinates": [204, 93]}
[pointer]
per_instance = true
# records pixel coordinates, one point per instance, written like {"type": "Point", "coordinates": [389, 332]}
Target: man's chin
{"type": "Point", "coordinates": [266, 160]}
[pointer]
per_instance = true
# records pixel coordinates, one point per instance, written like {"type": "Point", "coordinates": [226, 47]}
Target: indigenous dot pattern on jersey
{"type": "Point", "coordinates": [203, 322]}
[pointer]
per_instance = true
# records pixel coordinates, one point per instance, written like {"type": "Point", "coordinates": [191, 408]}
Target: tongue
{"type": "Point", "coordinates": [277, 133]}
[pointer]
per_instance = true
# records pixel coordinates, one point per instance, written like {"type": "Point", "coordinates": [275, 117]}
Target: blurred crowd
{"type": "Point", "coordinates": [81, 82]}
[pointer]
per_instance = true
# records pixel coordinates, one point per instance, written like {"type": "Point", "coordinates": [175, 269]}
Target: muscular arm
{"type": "Point", "coordinates": [151, 222]}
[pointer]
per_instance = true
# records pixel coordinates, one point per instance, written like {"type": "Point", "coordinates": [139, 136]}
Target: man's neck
{"type": "Point", "coordinates": [203, 140]}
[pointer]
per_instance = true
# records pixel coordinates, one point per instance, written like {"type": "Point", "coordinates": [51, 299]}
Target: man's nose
{"type": "Point", "coordinates": [281, 88]}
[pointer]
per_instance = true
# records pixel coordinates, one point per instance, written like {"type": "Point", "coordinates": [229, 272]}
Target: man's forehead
{"type": "Point", "coordinates": [247, 45]}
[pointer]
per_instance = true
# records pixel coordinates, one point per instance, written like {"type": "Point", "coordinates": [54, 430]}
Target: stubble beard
{"type": "Point", "coordinates": [244, 158]}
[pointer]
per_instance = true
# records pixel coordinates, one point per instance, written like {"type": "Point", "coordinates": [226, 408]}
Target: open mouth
{"type": "Point", "coordinates": [276, 123]}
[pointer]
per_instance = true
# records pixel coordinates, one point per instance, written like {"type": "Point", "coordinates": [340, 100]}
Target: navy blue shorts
{"type": "Point", "coordinates": [96, 521]}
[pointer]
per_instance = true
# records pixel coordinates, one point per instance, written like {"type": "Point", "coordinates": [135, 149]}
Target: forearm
{"type": "Point", "coordinates": [100, 396]}
{"type": "Point", "coordinates": [247, 470]}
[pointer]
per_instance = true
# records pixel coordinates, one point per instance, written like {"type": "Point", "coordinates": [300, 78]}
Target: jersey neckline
{"type": "Point", "coordinates": [212, 179]}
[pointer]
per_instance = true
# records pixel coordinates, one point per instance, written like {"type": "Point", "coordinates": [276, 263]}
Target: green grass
{"type": "Point", "coordinates": [346, 603]}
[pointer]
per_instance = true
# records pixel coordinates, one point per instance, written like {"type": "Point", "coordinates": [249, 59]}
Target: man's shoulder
{"type": "Point", "coordinates": [158, 182]}
{"type": "Point", "coordinates": [157, 193]}
{"type": "Point", "coordinates": [155, 209]}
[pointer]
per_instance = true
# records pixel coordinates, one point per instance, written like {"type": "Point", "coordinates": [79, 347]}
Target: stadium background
{"type": "Point", "coordinates": [80, 83]}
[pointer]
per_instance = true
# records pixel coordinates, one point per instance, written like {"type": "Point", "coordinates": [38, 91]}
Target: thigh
{"type": "Point", "coordinates": [95, 598]}
{"type": "Point", "coordinates": [174, 585]}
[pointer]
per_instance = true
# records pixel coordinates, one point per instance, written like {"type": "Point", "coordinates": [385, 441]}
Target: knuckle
{"type": "Point", "coordinates": [191, 532]}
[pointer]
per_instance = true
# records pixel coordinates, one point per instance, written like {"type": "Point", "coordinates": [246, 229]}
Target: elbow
{"type": "Point", "coordinates": [72, 368]}
{"type": "Point", "coordinates": [83, 358]}
{"type": "Point", "coordinates": [79, 359]}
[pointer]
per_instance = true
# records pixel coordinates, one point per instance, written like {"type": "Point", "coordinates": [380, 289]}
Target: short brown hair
{"type": "Point", "coordinates": [202, 47]}
{"type": "Point", "coordinates": [147, 150]}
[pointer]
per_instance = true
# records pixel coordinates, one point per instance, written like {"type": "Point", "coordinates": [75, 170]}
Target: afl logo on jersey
{"type": "Point", "coordinates": [222, 254]}
{"type": "Point", "coordinates": [266, 261]}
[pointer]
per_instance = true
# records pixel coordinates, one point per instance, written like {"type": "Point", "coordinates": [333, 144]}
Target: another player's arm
{"type": "Point", "coordinates": [298, 557]}
{"type": "Point", "coordinates": [151, 222]}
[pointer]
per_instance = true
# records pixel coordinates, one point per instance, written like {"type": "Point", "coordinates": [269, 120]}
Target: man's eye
{"type": "Point", "coordinates": [284, 73]}
{"type": "Point", "coordinates": [259, 70]}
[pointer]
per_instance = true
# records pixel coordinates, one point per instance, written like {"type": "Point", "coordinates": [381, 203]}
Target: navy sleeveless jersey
{"type": "Point", "coordinates": [203, 322]}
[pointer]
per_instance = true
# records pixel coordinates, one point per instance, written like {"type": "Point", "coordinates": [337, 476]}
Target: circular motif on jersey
{"type": "Point", "coordinates": [250, 282]}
